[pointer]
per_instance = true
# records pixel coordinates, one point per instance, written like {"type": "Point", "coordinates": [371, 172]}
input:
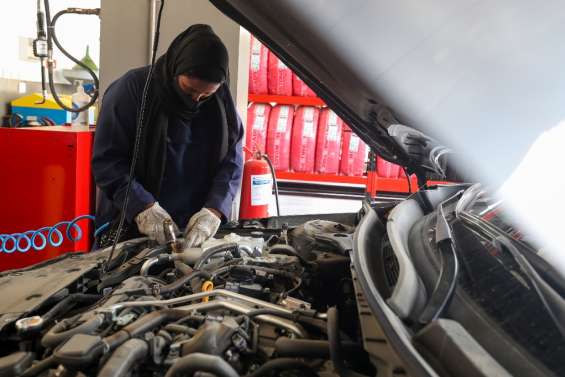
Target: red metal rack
{"type": "Point", "coordinates": [286, 100]}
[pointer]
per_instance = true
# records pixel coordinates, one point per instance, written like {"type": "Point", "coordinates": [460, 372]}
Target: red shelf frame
{"type": "Point", "coordinates": [286, 100]}
{"type": "Point", "coordinates": [321, 178]}
{"type": "Point", "coordinates": [380, 184]}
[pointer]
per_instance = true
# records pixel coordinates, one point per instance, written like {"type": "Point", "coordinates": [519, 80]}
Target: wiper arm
{"type": "Point", "coordinates": [445, 285]}
{"type": "Point", "coordinates": [552, 301]}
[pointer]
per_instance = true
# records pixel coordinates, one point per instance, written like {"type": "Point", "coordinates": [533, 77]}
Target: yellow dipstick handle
{"type": "Point", "coordinates": [206, 287]}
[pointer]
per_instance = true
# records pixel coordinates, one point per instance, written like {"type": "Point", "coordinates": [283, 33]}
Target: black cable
{"type": "Point", "coordinates": [284, 364]}
{"type": "Point", "coordinates": [52, 38]}
{"type": "Point", "coordinates": [138, 133]}
{"type": "Point", "coordinates": [275, 184]}
{"type": "Point", "coordinates": [408, 179]}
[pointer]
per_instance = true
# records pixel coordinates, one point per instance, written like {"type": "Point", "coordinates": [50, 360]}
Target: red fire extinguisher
{"type": "Point", "coordinates": [256, 188]}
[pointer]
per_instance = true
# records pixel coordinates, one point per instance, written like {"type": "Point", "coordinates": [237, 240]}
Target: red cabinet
{"type": "Point", "coordinates": [45, 178]}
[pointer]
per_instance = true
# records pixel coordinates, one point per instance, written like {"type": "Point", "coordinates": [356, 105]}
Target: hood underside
{"type": "Point", "coordinates": [484, 79]}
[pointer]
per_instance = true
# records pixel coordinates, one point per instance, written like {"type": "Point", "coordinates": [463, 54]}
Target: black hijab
{"type": "Point", "coordinates": [197, 51]}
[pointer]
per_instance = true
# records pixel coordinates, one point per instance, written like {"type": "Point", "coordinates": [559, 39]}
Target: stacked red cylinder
{"type": "Point", "coordinates": [257, 121]}
{"type": "Point", "coordinates": [353, 153]}
{"type": "Point", "coordinates": [258, 67]}
{"type": "Point", "coordinates": [387, 169]}
{"type": "Point", "coordinates": [328, 143]}
{"type": "Point", "coordinates": [299, 87]}
{"type": "Point", "coordinates": [279, 77]}
{"type": "Point", "coordinates": [303, 147]}
{"type": "Point", "coordinates": [279, 136]}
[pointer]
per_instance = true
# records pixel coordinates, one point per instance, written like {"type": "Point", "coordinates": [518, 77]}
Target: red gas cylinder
{"type": "Point", "coordinates": [256, 189]}
{"type": "Point", "coordinates": [328, 143]}
{"type": "Point", "coordinates": [257, 121]}
{"type": "Point", "coordinates": [279, 77]}
{"type": "Point", "coordinates": [299, 87]}
{"type": "Point", "coordinates": [303, 146]}
{"type": "Point", "coordinates": [387, 169]}
{"type": "Point", "coordinates": [258, 66]}
{"type": "Point", "coordinates": [353, 152]}
{"type": "Point", "coordinates": [278, 136]}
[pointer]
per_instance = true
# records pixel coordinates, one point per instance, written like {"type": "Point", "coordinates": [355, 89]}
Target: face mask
{"type": "Point", "coordinates": [189, 104]}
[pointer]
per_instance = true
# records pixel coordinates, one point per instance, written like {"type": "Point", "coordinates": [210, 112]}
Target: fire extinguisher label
{"type": "Point", "coordinates": [261, 189]}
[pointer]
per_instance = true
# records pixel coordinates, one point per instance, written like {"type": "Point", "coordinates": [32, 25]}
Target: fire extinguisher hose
{"type": "Point", "coordinates": [275, 184]}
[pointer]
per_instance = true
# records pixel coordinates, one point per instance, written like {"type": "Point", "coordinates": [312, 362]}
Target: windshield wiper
{"type": "Point", "coordinates": [449, 271]}
{"type": "Point", "coordinates": [551, 300]}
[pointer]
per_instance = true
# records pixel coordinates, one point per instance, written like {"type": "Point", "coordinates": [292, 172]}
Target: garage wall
{"type": "Point", "coordinates": [125, 47]}
{"type": "Point", "coordinates": [124, 38]}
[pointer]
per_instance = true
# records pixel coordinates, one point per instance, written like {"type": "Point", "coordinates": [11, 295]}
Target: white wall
{"type": "Point", "coordinates": [18, 20]}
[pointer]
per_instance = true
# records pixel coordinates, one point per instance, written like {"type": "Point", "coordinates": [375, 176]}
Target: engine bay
{"type": "Point", "coordinates": [254, 301]}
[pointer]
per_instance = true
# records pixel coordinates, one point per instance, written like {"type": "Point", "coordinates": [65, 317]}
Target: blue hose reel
{"type": "Point", "coordinates": [47, 236]}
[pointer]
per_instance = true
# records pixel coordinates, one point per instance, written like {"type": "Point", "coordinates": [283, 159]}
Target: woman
{"type": "Point", "coordinates": [190, 159]}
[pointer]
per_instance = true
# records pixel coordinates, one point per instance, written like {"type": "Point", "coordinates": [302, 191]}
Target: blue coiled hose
{"type": "Point", "coordinates": [46, 236]}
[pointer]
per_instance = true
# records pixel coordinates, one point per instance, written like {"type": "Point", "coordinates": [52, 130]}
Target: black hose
{"type": "Point", "coordinates": [275, 183]}
{"type": "Point", "coordinates": [138, 134]}
{"type": "Point", "coordinates": [335, 345]}
{"type": "Point", "coordinates": [200, 362]}
{"type": "Point", "coordinates": [63, 330]}
{"type": "Point", "coordinates": [179, 283]}
{"type": "Point", "coordinates": [333, 339]}
{"type": "Point", "coordinates": [177, 328]}
{"type": "Point", "coordinates": [287, 347]}
{"type": "Point", "coordinates": [144, 324]}
{"type": "Point", "coordinates": [39, 367]}
{"type": "Point", "coordinates": [124, 358]}
{"type": "Point", "coordinates": [213, 251]}
{"type": "Point", "coordinates": [67, 304]}
{"type": "Point", "coordinates": [52, 37]}
{"type": "Point", "coordinates": [290, 251]}
{"type": "Point", "coordinates": [284, 364]}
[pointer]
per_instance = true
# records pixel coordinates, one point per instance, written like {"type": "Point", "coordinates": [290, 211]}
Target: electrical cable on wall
{"type": "Point", "coordinates": [52, 38]}
{"type": "Point", "coordinates": [138, 133]}
{"type": "Point", "coordinates": [39, 239]}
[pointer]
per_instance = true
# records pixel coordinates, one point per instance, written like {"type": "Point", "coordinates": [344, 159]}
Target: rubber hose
{"type": "Point", "coordinates": [289, 250]}
{"type": "Point", "coordinates": [333, 339]}
{"type": "Point", "coordinates": [124, 358]}
{"type": "Point", "coordinates": [284, 364]}
{"type": "Point", "coordinates": [183, 268]}
{"type": "Point", "coordinates": [67, 303]}
{"type": "Point", "coordinates": [200, 362]}
{"type": "Point", "coordinates": [178, 284]}
{"type": "Point", "coordinates": [335, 345]}
{"type": "Point", "coordinates": [287, 347]}
{"type": "Point", "coordinates": [60, 331]}
{"type": "Point", "coordinates": [144, 324]}
{"type": "Point", "coordinates": [213, 251]}
{"type": "Point", "coordinates": [39, 367]}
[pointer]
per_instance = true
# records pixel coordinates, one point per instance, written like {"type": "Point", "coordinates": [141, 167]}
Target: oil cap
{"type": "Point", "coordinates": [29, 324]}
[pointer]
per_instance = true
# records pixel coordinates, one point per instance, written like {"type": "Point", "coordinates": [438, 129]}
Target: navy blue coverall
{"type": "Point", "coordinates": [187, 184]}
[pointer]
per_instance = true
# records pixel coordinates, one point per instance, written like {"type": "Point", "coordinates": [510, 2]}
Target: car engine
{"type": "Point", "coordinates": [253, 301]}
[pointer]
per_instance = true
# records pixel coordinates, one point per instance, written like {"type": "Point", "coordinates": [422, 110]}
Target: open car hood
{"type": "Point", "coordinates": [484, 79]}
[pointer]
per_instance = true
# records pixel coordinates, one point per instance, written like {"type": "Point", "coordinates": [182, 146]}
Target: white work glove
{"type": "Point", "coordinates": [201, 226]}
{"type": "Point", "coordinates": [150, 223]}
